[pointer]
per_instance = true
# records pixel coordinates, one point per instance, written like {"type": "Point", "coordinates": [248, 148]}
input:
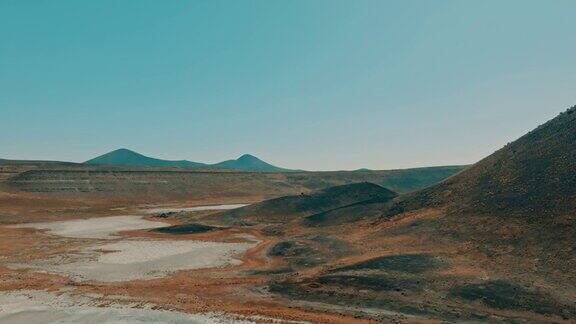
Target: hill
{"type": "Point", "coordinates": [127, 157]}
{"type": "Point", "coordinates": [248, 162]}
{"type": "Point", "coordinates": [521, 199]}
{"type": "Point", "coordinates": [288, 208]}
{"type": "Point", "coordinates": [532, 178]}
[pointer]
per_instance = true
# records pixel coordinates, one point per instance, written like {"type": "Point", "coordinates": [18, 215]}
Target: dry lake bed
{"type": "Point", "coordinates": [103, 255]}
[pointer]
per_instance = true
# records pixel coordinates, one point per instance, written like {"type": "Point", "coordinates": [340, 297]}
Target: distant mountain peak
{"type": "Point", "coordinates": [122, 150]}
{"type": "Point", "coordinates": [248, 157]}
{"type": "Point", "coordinates": [248, 162]}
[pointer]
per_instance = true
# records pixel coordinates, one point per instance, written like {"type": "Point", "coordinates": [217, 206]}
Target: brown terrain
{"type": "Point", "coordinates": [493, 243]}
{"type": "Point", "coordinates": [44, 188]}
{"type": "Point", "coordinates": [39, 191]}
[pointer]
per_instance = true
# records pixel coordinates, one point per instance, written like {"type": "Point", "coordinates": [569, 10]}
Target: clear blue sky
{"type": "Point", "coordinates": [303, 84]}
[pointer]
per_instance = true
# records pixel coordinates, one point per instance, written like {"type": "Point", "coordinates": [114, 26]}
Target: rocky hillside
{"type": "Point", "coordinates": [519, 201]}
{"type": "Point", "coordinates": [532, 178]}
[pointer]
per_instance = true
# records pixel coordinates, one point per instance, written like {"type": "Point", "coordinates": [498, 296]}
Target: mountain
{"type": "Point", "coordinates": [127, 157]}
{"type": "Point", "coordinates": [249, 163]}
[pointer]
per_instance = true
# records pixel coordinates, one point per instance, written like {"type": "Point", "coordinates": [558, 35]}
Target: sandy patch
{"type": "Point", "coordinates": [95, 228]}
{"type": "Point", "coordinates": [139, 259]}
{"type": "Point", "coordinates": [42, 307]}
{"type": "Point", "coordinates": [129, 259]}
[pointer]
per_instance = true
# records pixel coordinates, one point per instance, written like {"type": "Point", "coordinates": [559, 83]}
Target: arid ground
{"type": "Point", "coordinates": [83, 244]}
{"type": "Point", "coordinates": [491, 243]}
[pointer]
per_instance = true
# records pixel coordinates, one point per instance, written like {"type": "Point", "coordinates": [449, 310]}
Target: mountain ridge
{"type": "Point", "coordinates": [126, 157]}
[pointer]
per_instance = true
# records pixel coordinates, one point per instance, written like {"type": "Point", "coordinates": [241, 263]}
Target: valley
{"type": "Point", "coordinates": [492, 242]}
{"type": "Point", "coordinates": [288, 161]}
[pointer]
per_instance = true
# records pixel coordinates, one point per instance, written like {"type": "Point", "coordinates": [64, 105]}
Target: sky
{"type": "Point", "coordinates": [303, 84]}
